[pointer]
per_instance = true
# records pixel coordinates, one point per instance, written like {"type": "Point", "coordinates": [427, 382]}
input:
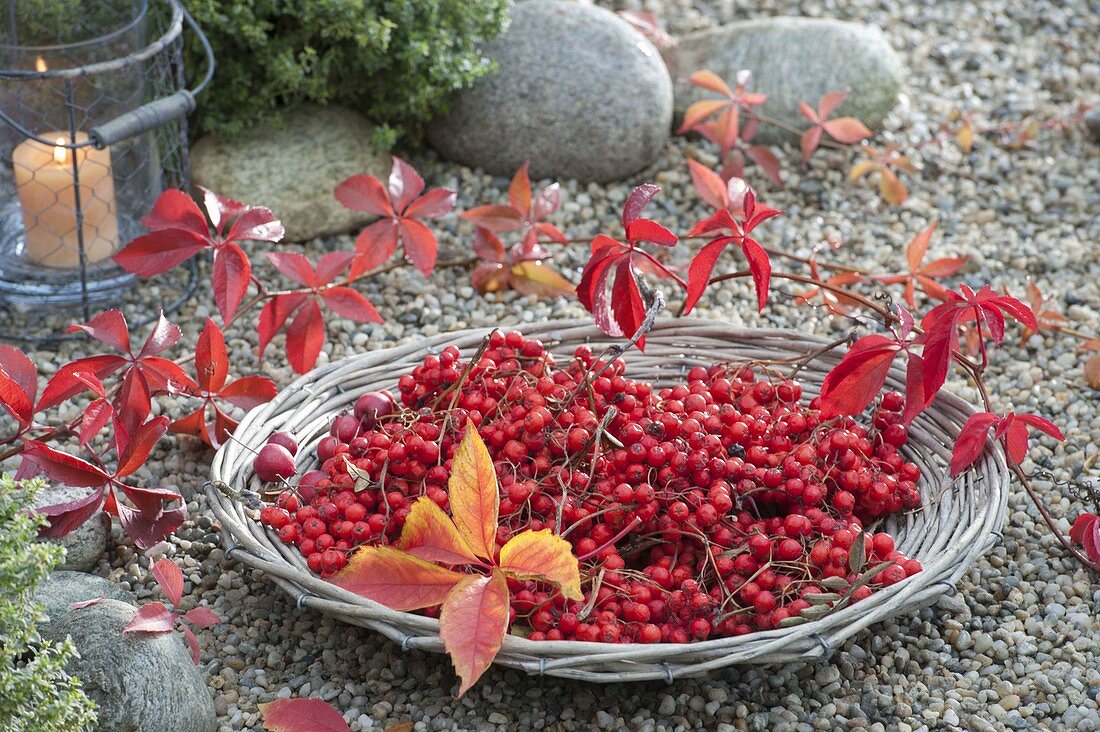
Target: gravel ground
{"type": "Point", "coordinates": [1017, 648]}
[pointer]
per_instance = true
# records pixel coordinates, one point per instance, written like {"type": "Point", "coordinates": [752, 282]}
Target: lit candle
{"type": "Point", "coordinates": [44, 179]}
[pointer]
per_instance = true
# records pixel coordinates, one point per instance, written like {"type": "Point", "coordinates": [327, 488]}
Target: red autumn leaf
{"type": "Point", "coordinates": [178, 230]}
{"type": "Point", "coordinates": [133, 454]}
{"type": "Point", "coordinates": [148, 525]}
{"type": "Point", "coordinates": [64, 468]}
{"type": "Point", "coordinates": [97, 415]}
{"type": "Point", "coordinates": [147, 528]}
{"type": "Point", "coordinates": [170, 579]}
{"type": "Point", "coordinates": [142, 374]}
{"type": "Point", "coordinates": [915, 399]}
{"type": "Point", "coordinates": [192, 642]}
{"type": "Point", "coordinates": [302, 715]}
{"type": "Point", "coordinates": [1086, 532]}
{"type": "Point", "coordinates": [232, 273]}
{"type": "Point", "coordinates": [65, 518]}
{"type": "Point", "coordinates": [18, 385]}
{"type": "Point", "coordinates": [400, 204]}
{"type": "Point", "coordinates": [971, 441]}
{"type": "Point", "coordinates": [152, 617]}
{"type": "Point", "coordinates": [1048, 319]}
{"type": "Point", "coordinates": [473, 623]}
{"type": "Point", "coordinates": [751, 214]}
{"type": "Point", "coordinates": [202, 617]}
{"type": "Point", "coordinates": [212, 370]}
{"type": "Point", "coordinates": [702, 265]}
{"type": "Point", "coordinates": [522, 267]}
{"type": "Point", "coordinates": [1012, 428]}
{"type": "Point", "coordinates": [622, 312]}
{"type": "Point", "coordinates": [941, 333]}
{"type": "Point", "coordinates": [350, 304]}
{"type": "Point", "coordinates": [854, 382]}
{"type": "Point", "coordinates": [305, 336]}
{"type": "Point", "coordinates": [766, 159]}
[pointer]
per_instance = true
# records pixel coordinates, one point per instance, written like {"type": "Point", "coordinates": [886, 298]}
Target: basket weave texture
{"type": "Point", "coordinates": [959, 521]}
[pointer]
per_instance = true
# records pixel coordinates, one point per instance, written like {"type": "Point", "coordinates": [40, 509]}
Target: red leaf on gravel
{"type": "Point", "coordinates": [302, 715]}
{"type": "Point", "coordinates": [170, 579]}
{"type": "Point", "coordinates": [401, 205]}
{"type": "Point", "coordinates": [202, 617]}
{"type": "Point", "coordinates": [178, 230]}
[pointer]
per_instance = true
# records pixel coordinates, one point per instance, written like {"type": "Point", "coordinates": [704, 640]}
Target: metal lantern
{"type": "Point", "coordinates": [93, 127]}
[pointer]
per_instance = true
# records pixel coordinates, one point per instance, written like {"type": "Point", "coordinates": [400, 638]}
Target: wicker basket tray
{"type": "Point", "coordinates": [960, 519]}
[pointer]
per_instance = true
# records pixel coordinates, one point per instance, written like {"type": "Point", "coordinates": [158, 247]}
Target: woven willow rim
{"type": "Point", "coordinates": [959, 521]}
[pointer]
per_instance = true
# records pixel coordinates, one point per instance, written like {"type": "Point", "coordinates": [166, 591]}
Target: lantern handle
{"type": "Point", "coordinates": [159, 111]}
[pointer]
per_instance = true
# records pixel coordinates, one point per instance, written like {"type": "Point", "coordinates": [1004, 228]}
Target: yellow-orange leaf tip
{"type": "Point", "coordinates": [474, 497]}
{"type": "Point", "coordinates": [543, 555]}
{"type": "Point", "coordinates": [473, 623]}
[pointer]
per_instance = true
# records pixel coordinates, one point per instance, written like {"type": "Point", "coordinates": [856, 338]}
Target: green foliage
{"type": "Point", "coordinates": [396, 61]}
{"type": "Point", "coordinates": [36, 695]}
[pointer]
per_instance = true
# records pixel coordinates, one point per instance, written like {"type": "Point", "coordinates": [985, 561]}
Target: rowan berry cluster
{"type": "Point", "coordinates": [717, 507]}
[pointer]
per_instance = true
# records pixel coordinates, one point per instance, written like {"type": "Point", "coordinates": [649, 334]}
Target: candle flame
{"type": "Point", "coordinates": [59, 154]}
{"type": "Point", "coordinates": [40, 65]}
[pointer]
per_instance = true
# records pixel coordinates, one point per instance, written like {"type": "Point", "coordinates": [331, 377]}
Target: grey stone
{"type": "Point", "coordinates": [293, 166]}
{"type": "Point", "coordinates": [140, 681]}
{"type": "Point", "coordinates": [87, 543]}
{"type": "Point", "coordinates": [793, 60]}
{"type": "Point", "coordinates": [1092, 122]}
{"type": "Point", "coordinates": [578, 93]}
{"type": "Point", "coordinates": [62, 588]}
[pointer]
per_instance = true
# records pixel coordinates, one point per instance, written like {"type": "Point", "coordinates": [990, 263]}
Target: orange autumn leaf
{"type": "Point", "coordinates": [535, 277]}
{"type": "Point", "coordinates": [475, 501]}
{"type": "Point", "coordinates": [1046, 318]}
{"type": "Point", "coordinates": [474, 612]}
{"type": "Point", "coordinates": [885, 163]}
{"type": "Point", "coordinates": [535, 554]}
{"type": "Point", "coordinates": [430, 534]}
{"type": "Point", "coordinates": [396, 579]}
{"type": "Point", "coordinates": [834, 302]}
{"type": "Point", "coordinates": [924, 275]}
{"type": "Point", "coordinates": [473, 623]}
{"type": "Point", "coordinates": [1092, 371]}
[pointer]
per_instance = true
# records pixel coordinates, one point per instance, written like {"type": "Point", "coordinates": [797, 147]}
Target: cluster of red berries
{"type": "Point", "coordinates": [713, 508]}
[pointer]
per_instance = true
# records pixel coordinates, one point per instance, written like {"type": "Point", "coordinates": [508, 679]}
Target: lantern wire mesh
{"type": "Point", "coordinates": [93, 127]}
{"type": "Point", "coordinates": [958, 521]}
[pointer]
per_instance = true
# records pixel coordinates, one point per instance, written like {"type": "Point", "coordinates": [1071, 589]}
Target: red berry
{"type": "Point", "coordinates": [373, 406]}
{"type": "Point", "coordinates": [286, 440]}
{"type": "Point", "coordinates": [273, 463]}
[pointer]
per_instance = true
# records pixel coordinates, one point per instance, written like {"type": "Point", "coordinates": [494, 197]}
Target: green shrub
{"type": "Point", "coordinates": [393, 60]}
{"type": "Point", "coordinates": [36, 695]}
